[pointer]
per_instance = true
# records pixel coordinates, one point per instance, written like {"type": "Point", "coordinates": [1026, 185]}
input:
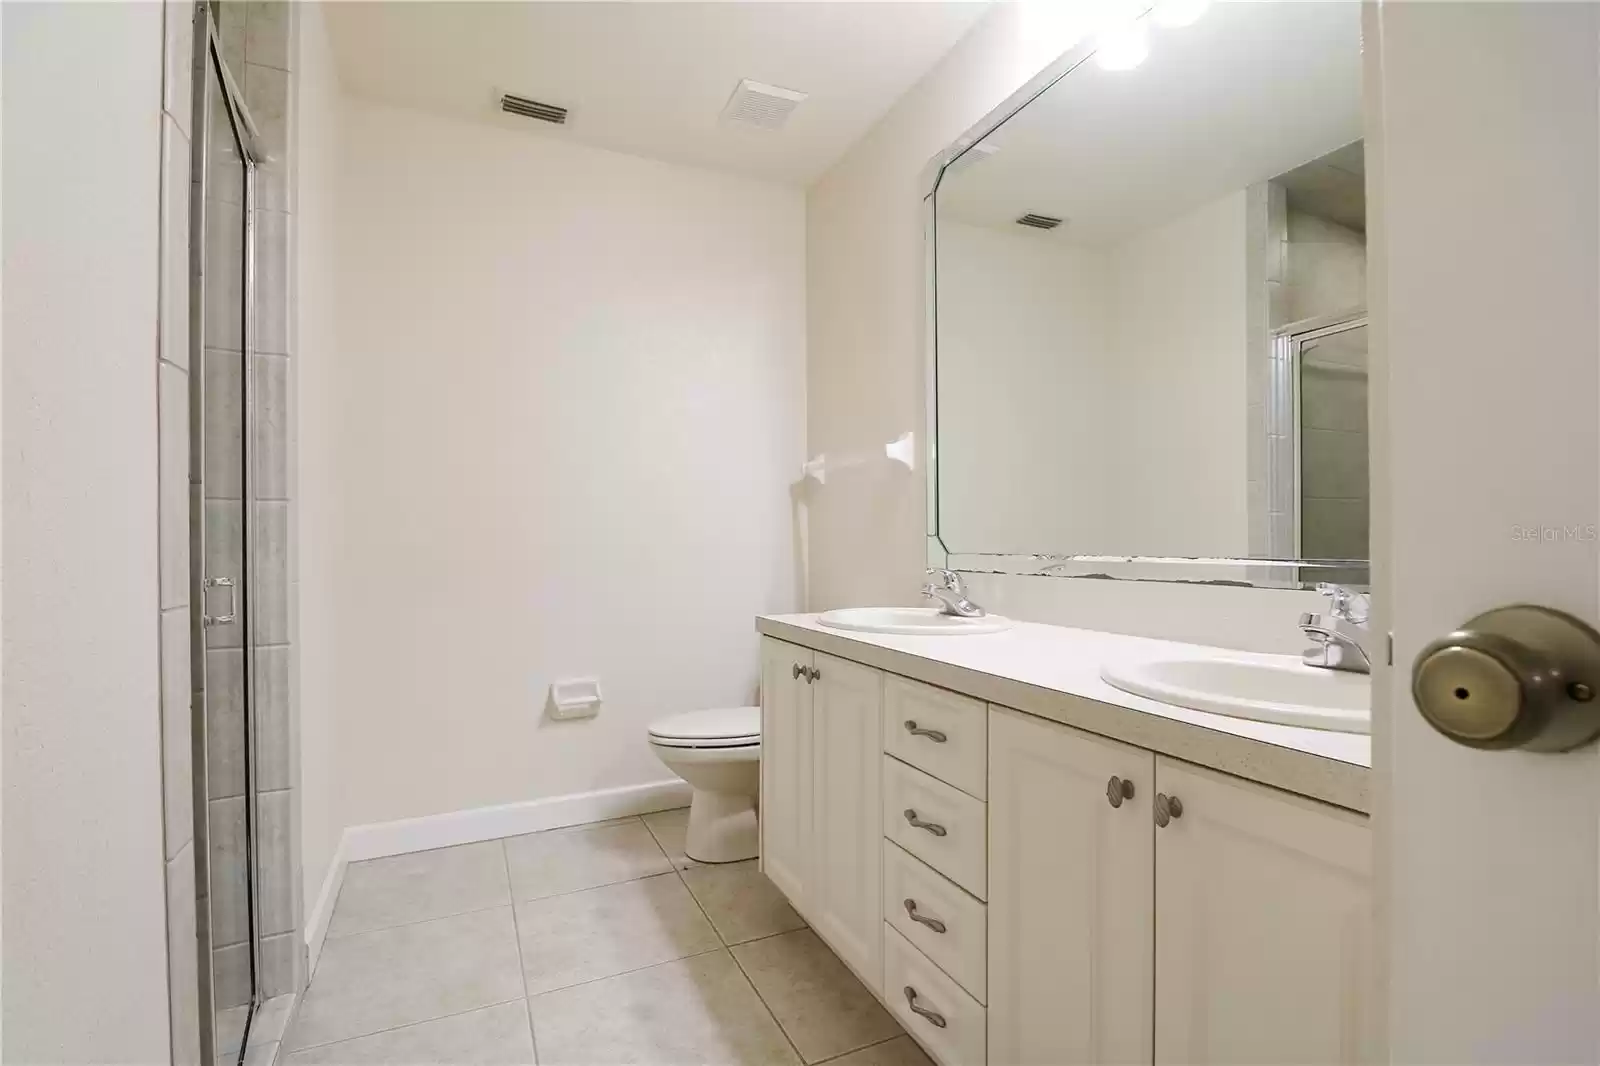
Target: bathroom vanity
{"type": "Point", "coordinates": [1027, 865]}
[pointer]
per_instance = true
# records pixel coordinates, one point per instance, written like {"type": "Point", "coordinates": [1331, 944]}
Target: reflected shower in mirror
{"type": "Point", "coordinates": [1149, 324]}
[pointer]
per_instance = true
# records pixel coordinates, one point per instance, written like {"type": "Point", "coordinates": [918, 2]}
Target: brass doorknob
{"type": "Point", "coordinates": [1514, 677]}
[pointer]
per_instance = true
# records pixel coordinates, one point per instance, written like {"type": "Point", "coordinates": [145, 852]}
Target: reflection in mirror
{"type": "Point", "coordinates": [1150, 292]}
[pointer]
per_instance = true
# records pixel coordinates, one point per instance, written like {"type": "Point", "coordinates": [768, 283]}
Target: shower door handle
{"type": "Point", "coordinates": [231, 615]}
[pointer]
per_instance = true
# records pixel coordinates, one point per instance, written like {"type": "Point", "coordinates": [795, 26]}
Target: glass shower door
{"type": "Point", "coordinates": [221, 406]}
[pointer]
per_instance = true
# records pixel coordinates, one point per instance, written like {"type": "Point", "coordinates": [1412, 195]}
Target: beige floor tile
{"type": "Point", "coordinates": [741, 902]}
{"type": "Point", "coordinates": [567, 860]}
{"type": "Point", "coordinates": [581, 936]}
{"type": "Point", "coordinates": [423, 885]}
{"type": "Point", "coordinates": [493, 1036]}
{"type": "Point", "coordinates": [670, 828]}
{"type": "Point", "coordinates": [816, 999]}
{"type": "Point", "coordinates": [699, 1010]}
{"type": "Point", "coordinates": [401, 889]}
{"type": "Point", "coordinates": [901, 1051]}
{"type": "Point", "coordinates": [368, 982]}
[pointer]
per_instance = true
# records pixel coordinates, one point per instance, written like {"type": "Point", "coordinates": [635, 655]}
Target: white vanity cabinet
{"type": "Point", "coordinates": [1236, 932]}
{"type": "Point", "coordinates": [1020, 891]}
{"type": "Point", "coordinates": [821, 782]}
{"type": "Point", "coordinates": [1263, 925]}
{"type": "Point", "coordinates": [1071, 895]}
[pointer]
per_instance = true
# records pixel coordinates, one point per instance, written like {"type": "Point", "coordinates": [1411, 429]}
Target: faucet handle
{"type": "Point", "coordinates": [1349, 605]}
{"type": "Point", "coordinates": [948, 579]}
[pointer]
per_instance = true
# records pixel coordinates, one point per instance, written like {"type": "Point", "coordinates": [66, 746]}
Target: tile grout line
{"type": "Point", "coordinates": [522, 966]}
{"type": "Point", "coordinates": [767, 1007]}
{"type": "Point", "coordinates": [867, 1047]}
{"type": "Point", "coordinates": [623, 973]}
{"type": "Point", "coordinates": [403, 1025]}
{"type": "Point", "coordinates": [511, 891]}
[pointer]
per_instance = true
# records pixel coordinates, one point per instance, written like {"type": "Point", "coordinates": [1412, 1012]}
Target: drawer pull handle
{"type": "Point", "coordinates": [917, 823]}
{"type": "Point", "coordinates": [932, 734]}
{"type": "Point", "coordinates": [932, 923]}
{"type": "Point", "coordinates": [798, 670]}
{"type": "Point", "coordinates": [1118, 789]}
{"type": "Point", "coordinates": [932, 1015]}
{"type": "Point", "coordinates": [1167, 808]}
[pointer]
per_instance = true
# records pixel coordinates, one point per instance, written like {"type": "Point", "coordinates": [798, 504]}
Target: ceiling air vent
{"type": "Point", "coordinates": [766, 107]}
{"type": "Point", "coordinates": [521, 105]}
{"type": "Point", "coordinates": [1039, 221]}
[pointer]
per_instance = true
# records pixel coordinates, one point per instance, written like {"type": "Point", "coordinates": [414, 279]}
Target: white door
{"type": "Point", "coordinates": [1263, 925]}
{"type": "Point", "coordinates": [1070, 908]}
{"type": "Point", "coordinates": [786, 769]}
{"type": "Point", "coordinates": [844, 895]}
{"type": "Point", "coordinates": [1484, 180]}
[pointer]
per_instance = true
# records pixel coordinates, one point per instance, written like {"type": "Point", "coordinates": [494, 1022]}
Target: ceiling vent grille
{"type": "Point", "coordinates": [1039, 221]}
{"type": "Point", "coordinates": [766, 107]}
{"type": "Point", "coordinates": [521, 105]}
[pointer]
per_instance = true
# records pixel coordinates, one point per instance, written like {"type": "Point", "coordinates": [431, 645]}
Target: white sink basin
{"type": "Point", "coordinates": [1278, 689]}
{"type": "Point", "coordinates": [911, 621]}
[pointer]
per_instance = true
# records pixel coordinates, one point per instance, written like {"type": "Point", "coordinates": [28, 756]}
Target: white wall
{"type": "Point", "coordinates": [554, 437]}
{"type": "Point", "coordinates": [85, 976]}
{"type": "Point", "coordinates": [864, 269]}
{"type": "Point", "coordinates": [1181, 335]}
{"type": "Point", "coordinates": [321, 546]}
{"type": "Point", "coordinates": [1026, 376]}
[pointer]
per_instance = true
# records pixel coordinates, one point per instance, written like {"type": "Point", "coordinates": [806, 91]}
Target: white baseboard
{"type": "Point", "coordinates": [322, 911]}
{"type": "Point", "coordinates": [407, 835]}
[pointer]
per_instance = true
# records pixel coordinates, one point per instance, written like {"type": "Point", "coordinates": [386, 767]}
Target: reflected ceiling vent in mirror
{"type": "Point", "coordinates": [1039, 221]}
{"type": "Point", "coordinates": [521, 105]}
{"type": "Point", "coordinates": [765, 107]}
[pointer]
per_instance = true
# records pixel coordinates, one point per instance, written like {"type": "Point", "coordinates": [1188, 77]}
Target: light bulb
{"type": "Point", "coordinates": [1174, 13]}
{"type": "Point", "coordinates": [1122, 47]}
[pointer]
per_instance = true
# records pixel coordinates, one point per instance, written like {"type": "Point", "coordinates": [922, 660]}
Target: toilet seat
{"type": "Point", "coordinates": [732, 727]}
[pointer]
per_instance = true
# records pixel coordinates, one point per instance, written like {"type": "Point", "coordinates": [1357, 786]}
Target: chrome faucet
{"type": "Point", "coordinates": [1337, 637]}
{"type": "Point", "coordinates": [946, 587]}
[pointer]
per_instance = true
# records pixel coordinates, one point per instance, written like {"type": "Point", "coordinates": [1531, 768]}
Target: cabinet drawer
{"type": "Point", "coordinates": [909, 978]}
{"type": "Point", "coordinates": [938, 823]}
{"type": "Point", "coordinates": [953, 927]}
{"type": "Point", "coordinates": [951, 738]}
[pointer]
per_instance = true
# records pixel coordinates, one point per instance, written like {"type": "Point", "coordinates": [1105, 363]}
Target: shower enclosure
{"type": "Point", "coordinates": [1317, 415]}
{"type": "Point", "coordinates": [247, 913]}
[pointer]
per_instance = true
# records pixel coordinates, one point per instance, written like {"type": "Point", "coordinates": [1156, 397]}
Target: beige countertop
{"type": "Point", "coordinates": [1054, 672]}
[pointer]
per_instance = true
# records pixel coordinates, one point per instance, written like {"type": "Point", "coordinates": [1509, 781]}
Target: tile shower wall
{"type": "Point", "coordinates": [256, 44]}
{"type": "Point", "coordinates": [173, 384]}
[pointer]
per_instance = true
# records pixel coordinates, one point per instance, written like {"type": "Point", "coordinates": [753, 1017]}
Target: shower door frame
{"type": "Point", "coordinates": [1283, 422]}
{"type": "Point", "coordinates": [209, 62]}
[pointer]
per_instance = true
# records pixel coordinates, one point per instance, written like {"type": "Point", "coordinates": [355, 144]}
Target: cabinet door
{"type": "Point", "coordinates": [1071, 880]}
{"type": "Point", "coordinates": [845, 892]}
{"type": "Point", "coordinates": [1263, 918]}
{"type": "Point", "coordinates": [786, 770]}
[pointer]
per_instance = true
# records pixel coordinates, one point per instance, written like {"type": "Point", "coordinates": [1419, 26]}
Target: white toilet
{"type": "Point", "coordinates": [719, 753]}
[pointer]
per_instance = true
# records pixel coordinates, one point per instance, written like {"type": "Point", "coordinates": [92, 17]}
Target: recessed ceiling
{"type": "Point", "coordinates": [651, 78]}
{"type": "Point", "coordinates": [1248, 92]}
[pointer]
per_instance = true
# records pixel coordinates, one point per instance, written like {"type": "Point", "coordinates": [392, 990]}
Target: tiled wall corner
{"type": "Point", "coordinates": [173, 420]}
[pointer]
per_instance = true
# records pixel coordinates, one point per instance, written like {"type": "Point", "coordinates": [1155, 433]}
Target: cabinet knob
{"type": "Point", "coordinates": [932, 734]}
{"type": "Point", "coordinates": [917, 823]}
{"type": "Point", "coordinates": [1514, 677]}
{"type": "Point", "coordinates": [1167, 808]}
{"type": "Point", "coordinates": [1118, 789]}
{"type": "Point", "coordinates": [932, 1015]}
{"type": "Point", "coordinates": [814, 674]}
{"type": "Point", "coordinates": [798, 670]}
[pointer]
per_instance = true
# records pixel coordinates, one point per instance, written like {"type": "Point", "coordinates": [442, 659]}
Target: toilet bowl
{"type": "Point", "coordinates": [719, 753]}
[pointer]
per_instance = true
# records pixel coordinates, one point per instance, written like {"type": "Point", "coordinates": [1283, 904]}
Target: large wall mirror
{"type": "Point", "coordinates": [1148, 325]}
